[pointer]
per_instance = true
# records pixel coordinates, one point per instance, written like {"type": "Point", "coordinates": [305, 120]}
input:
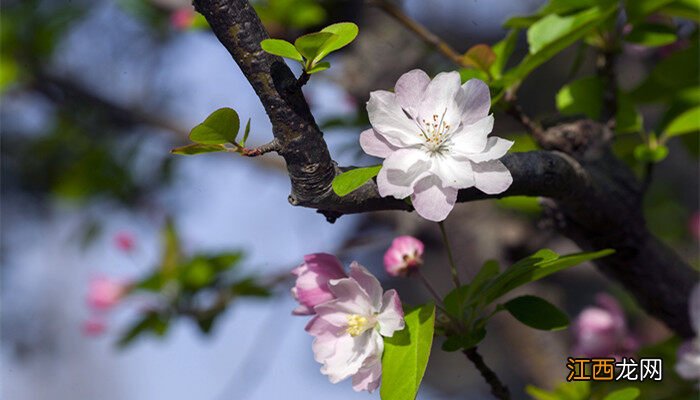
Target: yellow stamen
{"type": "Point", "coordinates": [356, 324]}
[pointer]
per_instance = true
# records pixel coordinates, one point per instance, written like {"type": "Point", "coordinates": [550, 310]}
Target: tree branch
{"type": "Point", "coordinates": [498, 389]}
{"type": "Point", "coordinates": [597, 198]}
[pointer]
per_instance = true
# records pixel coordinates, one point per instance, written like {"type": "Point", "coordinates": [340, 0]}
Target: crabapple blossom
{"type": "Point", "coordinates": [93, 326]}
{"type": "Point", "coordinates": [433, 136]}
{"type": "Point", "coordinates": [311, 287]}
{"type": "Point", "coordinates": [124, 241]}
{"type": "Point", "coordinates": [104, 292]}
{"type": "Point", "coordinates": [403, 255]}
{"type": "Point", "coordinates": [182, 18]}
{"type": "Point", "coordinates": [602, 331]}
{"type": "Point", "coordinates": [688, 359]}
{"type": "Point", "coordinates": [349, 329]}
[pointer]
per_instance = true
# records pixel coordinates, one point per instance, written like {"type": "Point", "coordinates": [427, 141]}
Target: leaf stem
{"type": "Point", "coordinates": [498, 389]}
{"type": "Point", "coordinates": [453, 266]}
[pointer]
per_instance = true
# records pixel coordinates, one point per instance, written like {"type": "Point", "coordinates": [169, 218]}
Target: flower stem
{"type": "Point", "coordinates": [453, 266]}
{"type": "Point", "coordinates": [431, 289]}
{"type": "Point", "coordinates": [498, 389]}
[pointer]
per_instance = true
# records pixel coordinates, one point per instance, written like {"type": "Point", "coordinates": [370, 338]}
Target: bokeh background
{"type": "Point", "coordinates": [95, 94]}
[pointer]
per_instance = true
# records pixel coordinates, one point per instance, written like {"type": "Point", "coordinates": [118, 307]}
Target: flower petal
{"type": "Point", "coordinates": [390, 317]}
{"type": "Point", "coordinates": [495, 149]}
{"type": "Point", "coordinates": [350, 354]}
{"type": "Point", "coordinates": [472, 138]}
{"type": "Point", "coordinates": [369, 283]}
{"type": "Point", "coordinates": [474, 101]}
{"type": "Point", "coordinates": [400, 170]}
{"type": "Point", "coordinates": [492, 177]}
{"type": "Point", "coordinates": [439, 93]}
{"type": "Point", "coordinates": [409, 89]}
{"type": "Point", "coordinates": [369, 375]}
{"type": "Point", "coordinates": [694, 305]}
{"type": "Point", "coordinates": [452, 172]}
{"type": "Point", "coordinates": [375, 144]}
{"type": "Point", "coordinates": [432, 201]}
{"type": "Point", "coordinates": [389, 120]}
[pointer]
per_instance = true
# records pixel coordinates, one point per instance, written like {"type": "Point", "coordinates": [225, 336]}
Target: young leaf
{"type": "Point", "coordinates": [487, 272]}
{"type": "Point", "coordinates": [322, 66]}
{"type": "Point", "coordinates": [281, 48]}
{"type": "Point", "coordinates": [480, 56]}
{"type": "Point", "coordinates": [246, 132]}
{"type": "Point", "coordinates": [638, 9]}
{"type": "Point", "coordinates": [582, 96]}
{"type": "Point", "coordinates": [629, 393]}
{"type": "Point", "coordinates": [628, 119]}
{"type": "Point", "coordinates": [310, 45]}
{"type": "Point", "coordinates": [646, 154]}
{"type": "Point", "coordinates": [537, 313]}
{"type": "Point", "coordinates": [219, 127]}
{"type": "Point", "coordinates": [406, 355]}
{"type": "Point", "coordinates": [348, 181]}
{"type": "Point", "coordinates": [345, 32]}
{"type": "Point", "coordinates": [673, 74]}
{"type": "Point", "coordinates": [687, 122]}
{"type": "Point", "coordinates": [652, 35]}
{"type": "Point", "coordinates": [197, 148]}
{"type": "Point", "coordinates": [503, 50]}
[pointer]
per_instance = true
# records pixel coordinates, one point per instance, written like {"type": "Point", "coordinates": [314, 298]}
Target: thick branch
{"type": "Point", "coordinates": [596, 196]}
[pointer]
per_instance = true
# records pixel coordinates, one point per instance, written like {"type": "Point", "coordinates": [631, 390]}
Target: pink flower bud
{"type": "Point", "coordinates": [124, 241]}
{"type": "Point", "coordinates": [311, 287]}
{"type": "Point", "coordinates": [104, 293]}
{"type": "Point", "coordinates": [602, 331]}
{"type": "Point", "coordinates": [182, 18]}
{"type": "Point", "coordinates": [93, 327]}
{"type": "Point", "coordinates": [403, 255]}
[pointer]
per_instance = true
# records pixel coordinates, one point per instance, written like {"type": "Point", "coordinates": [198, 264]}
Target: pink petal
{"type": "Point", "coordinates": [410, 88]}
{"type": "Point", "coordinates": [375, 144]}
{"type": "Point", "coordinates": [472, 138]}
{"type": "Point", "coordinates": [400, 171]}
{"type": "Point", "coordinates": [390, 317]}
{"type": "Point", "coordinates": [453, 172]}
{"type": "Point", "coordinates": [474, 101]}
{"type": "Point", "coordinates": [389, 120]}
{"type": "Point", "coordinates": [369, 375]}
{"type": "Point", "coordinates": [432, 201]}
{"type": "Point", "coordinates": [440, 95]}
{"type": "Point", "coordinates": [492, 177]}
{"type": "Point", "coordinates": [368, 283]}
{"type": "Point", "coordinates": [350, 353]}
{"type": "Point", "coordinates": [495, 149]}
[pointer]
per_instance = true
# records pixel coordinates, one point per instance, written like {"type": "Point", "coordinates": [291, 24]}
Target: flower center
{"type": "Point", "coordinates": [435, 132]}
{"type": "Point", "coordinates": [357, 324]}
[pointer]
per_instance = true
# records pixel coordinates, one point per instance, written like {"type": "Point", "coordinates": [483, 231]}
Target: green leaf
{"type": "Point", "coordinates": [310, 45]}
{"type": "Point", "coordinates": [246, 133]}
{"type": "Point", "coordinates": [348, 181]}
{"type": "Point", "coordinates": [281, 48]}
{"type": "Point", "coordinates": [406, 355]}
{"type": "Point", "coordinates": [151, 323]}
{"type": "Point", "coordinates": [479, 56]}
{"type": "Point", "coordinates": [219, 127]}
{"type": "Point", "coordinates": [629, 393]}
{"type": "Point", "coordinates": [582, 96]}
{"type": "Point", "coordinates": [537, 313]}
{"type": "Point", "coordinates": [345, 33]}
{"type": "Point", "coordinates": [458, 342]}
{"type": "Point", "coordinates": [689, 9]}
{"type": "Point", "coordinates": [652, 35]}
{"type": "Point", "coordinates": [646, 154]}
{"type": "Point", "coordinates": [322, 66]}
{"type": "Point", "coordinates": [687, 122]}
{"type": "Point", "coordinates": [503, 50]}
{"type": "Point", "coordinates": [576, 390]}
{"type": "Point", "coordinates": [250, 287]}
{"type": "Point", "coordinates": [639, 9]}
{"type": "Point", "coordinates": [470, 73]}
{"type": "Point", "coordinates": [486, 274]}
{"type": "Point", "coordinates": [628, 119]}
{"type": "Point", "coordinates": [197, 148]}
{"type": "Point", "coordinates": [673, 74]}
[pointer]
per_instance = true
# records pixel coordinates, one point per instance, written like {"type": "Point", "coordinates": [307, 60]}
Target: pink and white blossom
{"type": "Point", "coordinates": [124, 241]}
{"type": "Point", "coordinates": [105, 292]}
{"type": "Point", "coordinates": [403, 255]}
{"type": "Point", "coordinates": [349, 329]}
{"type": "Point", "coordinates": [311, 287]}
{"type": "Point", "coordinates": [688, 359]}
{"type": "Point", "coordinates": [602, 331]}
{"type": "Point", "coordinates": [93, 326]}
{"type": "Point", "coordinates": [433, 136]}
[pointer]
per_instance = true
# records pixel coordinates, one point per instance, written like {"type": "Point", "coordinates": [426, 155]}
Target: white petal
{"type": "Point", "coordinates": [472, 138]}
{"type": "Point", "coordinates": [350, 353]}
{"type": "Point", "coordinates": [694, 305]}
{"type": "Point", "coordinates": [495, 149]}
{"type": "Point", "coordinates": [432, 201]}
{"type": "Point", "coordinates": [375, 144]}
{"type": "Point", "coordinates": [492, 177]}
{"type": "Point", "coordinates": [453, 172]}
{"type": "Point", "coordinates": [409, 89]}
{"type": "Point", "coordinates": [400, 171]}
{"type": "Point", "coordinates": [389, 120]}
{"type": "Point", "coordinates": [390, 317]}
{"type": "Point", "coordinates": [368, 283]}
{"type": "Point", "coordinates": [369, 376]}
{"type": "Point", "coordinates": [439, 102]}
{"type": "Point", "coordinates": [474, 101]}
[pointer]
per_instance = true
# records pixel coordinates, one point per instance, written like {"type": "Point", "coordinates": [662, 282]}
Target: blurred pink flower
{"type": "Point", "coordinates": [688, 359]}
{"type": "Point", "coordinates": [694, 225]}
{"type": "Point", "coordinates": [311, 287]}
{"type": "Point", "coordinates": [104, 292]}
{"type": "Point", "coordinates": [403, 255]}
{"type": "Point", "coordinates": [124, 241]}
{"type": "Point", "coordinates": [182, 18]}
{"type": "Point", "coordinates": [93, 327]}
{"type": "Point", "coordinates": [349, 329]}
{"type": "Point", "coordinates": [602, 331]}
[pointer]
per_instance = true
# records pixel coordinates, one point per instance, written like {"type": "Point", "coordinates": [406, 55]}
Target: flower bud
{"type": "Point", "coordinates": [104, 293]}
{"type": "Point", "coordinates": [311, 287]}
{"type": "Point", "coordinates": [403, 255]}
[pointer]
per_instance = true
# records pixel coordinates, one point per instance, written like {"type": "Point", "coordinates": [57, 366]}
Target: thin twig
{"type": "Point", "coordinates": [303, 79]}
{"type": "Point", "coordinates": [453, 266]}
{"type": "Point", "coordinates": [514, 110]}
{"type": "Point", "coordinates": [273, 145]}
{"type": "Point", "coordinates": [648, 175]}
{"type": "Point", "coordinates": [431, 289]}
{"type": "Point", "coordinates": [498, 389]}
{"type": "Point", "coordinates": [427, 36]}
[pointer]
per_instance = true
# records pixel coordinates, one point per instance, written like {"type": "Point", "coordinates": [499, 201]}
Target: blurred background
{"type": "Point", "coordinates": [94, 94]}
